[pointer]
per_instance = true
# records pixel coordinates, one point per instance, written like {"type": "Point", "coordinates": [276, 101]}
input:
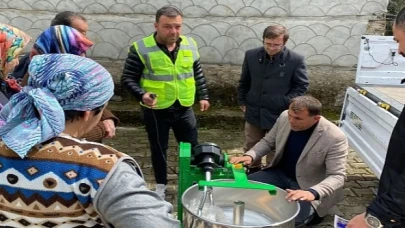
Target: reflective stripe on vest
{"type": "Point", "coordinates": [169, 81]}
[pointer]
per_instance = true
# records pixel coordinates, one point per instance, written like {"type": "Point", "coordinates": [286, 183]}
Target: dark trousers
{"type": "Point", "coordinates": [157, 125]}
{"type": "Point", "coordinates": [276, 177]}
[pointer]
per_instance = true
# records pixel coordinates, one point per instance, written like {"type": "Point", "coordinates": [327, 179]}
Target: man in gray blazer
{"type": "Point", "coordinates": [309, 159]}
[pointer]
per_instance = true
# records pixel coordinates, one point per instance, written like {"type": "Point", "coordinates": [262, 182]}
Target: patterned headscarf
{"type": "Point", "coordinates": [57, 82]}
{"type": "Point", "coordinates": [61, 39]}
{"type": "Point", "coordinates": [12, 41]}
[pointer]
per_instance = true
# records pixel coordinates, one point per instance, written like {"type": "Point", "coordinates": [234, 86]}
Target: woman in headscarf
{"type": "Point", "coordinates": [64, 39]}
{"type": "Point", "coordinates": [59, 39]}
{"type": "Point", "coordinates": [12, 41]}
{"type": "Point", "coordinates": [48, 177]}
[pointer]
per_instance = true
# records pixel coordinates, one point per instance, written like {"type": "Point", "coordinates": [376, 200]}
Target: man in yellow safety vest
{"type": "Point", "coordinates": [164, 73]}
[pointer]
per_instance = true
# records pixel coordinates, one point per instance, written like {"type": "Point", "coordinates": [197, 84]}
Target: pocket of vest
{"type": "Point", "coordinates": [187, 59]}
{"type": "Point", "coordinates": [158, 63]}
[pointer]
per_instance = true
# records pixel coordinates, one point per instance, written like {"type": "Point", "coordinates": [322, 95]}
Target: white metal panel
{"type": "Point", "coordinates": [368, 128]}
{"type": "Point", "coordinates": [379, 63]}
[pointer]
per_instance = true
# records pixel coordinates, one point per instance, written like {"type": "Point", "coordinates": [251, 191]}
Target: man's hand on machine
{"type": "Point", "coordinates": [299, 195]}
{"type": "Point", "coordinates": [246, 160]}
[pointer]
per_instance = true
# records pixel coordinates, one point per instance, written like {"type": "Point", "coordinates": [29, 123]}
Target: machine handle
{"type": "Point", "coordinates": [241, 181]}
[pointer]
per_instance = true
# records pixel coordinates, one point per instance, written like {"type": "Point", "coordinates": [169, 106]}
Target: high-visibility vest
{"type": "Point", "coordinates": [170, 82]}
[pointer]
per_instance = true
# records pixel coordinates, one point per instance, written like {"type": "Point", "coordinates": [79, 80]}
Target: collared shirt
{"type": "Point", "coordinates": [270, 59]}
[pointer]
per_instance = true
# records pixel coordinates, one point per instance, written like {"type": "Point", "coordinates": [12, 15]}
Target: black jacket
{"type": "Point", "coordinates": [133, 69]}
{"type": "Point", "coordinates": [266, 86]}
{"type": "Point", "coordinates": [389, 204]}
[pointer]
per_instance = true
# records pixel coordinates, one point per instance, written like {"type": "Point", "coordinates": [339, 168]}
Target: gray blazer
{"type": "Point", "coordinates": [322, 164]}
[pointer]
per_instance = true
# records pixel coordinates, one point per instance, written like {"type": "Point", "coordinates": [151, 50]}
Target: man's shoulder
{"type": "Point", "coordinates": [331, 130]}
{"type": "Point", "coordinates": [188, 39]}
{"type": "Point", "coordinates": [284, 114]}
{"type": "Point", "coordinates": [283, 118]}
{"type": "Point", "coordinates": [143, 39]}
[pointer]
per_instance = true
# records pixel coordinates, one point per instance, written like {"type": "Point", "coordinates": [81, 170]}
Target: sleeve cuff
{"type": "Point", "coordinates": [107, 114]}
{"type": "Point", "coordinates": [315, 193]}
{"type": "Point", "coordinates": [252, 154]}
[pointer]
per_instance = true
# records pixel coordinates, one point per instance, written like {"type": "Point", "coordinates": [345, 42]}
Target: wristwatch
{"type": "Point", "coordinates": [373, 221]}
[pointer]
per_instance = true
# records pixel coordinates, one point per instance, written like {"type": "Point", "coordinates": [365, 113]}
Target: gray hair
{"type": "Point", "coordinates": [168, 11]}
{"type": "Point", "coordinates": [306, 102]}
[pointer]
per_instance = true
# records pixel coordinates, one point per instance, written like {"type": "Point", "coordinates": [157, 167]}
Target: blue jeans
{"type": "Point", "coordinates": [276, 177]}
{"type": "Point", "coordinates": [157, 125]}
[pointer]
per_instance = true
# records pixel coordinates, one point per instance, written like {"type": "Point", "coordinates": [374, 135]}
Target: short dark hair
{"type": "Point", "coordinates": [66, 18]}
{"type": "Point", "coordinates": [306, 102]}
{"type": "Point", "coordinates": [400, 20]}
{"type": "Point", "coordinates": [72, 115]}
{"type": "Point", "coordinates": [168, 11]}
{"type": "Point", "coordinates": [274, 31]}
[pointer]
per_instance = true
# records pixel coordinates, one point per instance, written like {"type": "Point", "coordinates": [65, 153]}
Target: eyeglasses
{"type": "Point", "coordinates": [273, 45]}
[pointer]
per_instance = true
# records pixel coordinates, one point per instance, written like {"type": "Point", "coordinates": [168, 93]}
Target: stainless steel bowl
{"type": "Point", "coordinates": [261, 208]}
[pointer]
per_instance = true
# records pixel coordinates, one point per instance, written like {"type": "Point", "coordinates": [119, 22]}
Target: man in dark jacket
{"type": "Point", "coordinates": [388, 208]}
{"type": "Point", "coordinates": [163, 71]}
{"type": "Point", "coordinates": [271, 76]}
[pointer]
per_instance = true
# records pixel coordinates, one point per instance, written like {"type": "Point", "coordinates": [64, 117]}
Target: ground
{"type": "Point", "coordinates": [359, 187]}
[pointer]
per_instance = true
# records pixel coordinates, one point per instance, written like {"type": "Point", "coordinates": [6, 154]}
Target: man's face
{"type": "Point", "coordinates": [169, 29]}
{"type": "Point", "coordinates": [301, 120]}
{"type": "Point", "coordinates": [273, 46]}
{"type": "Point", "coordinates": [399, 37]}
{"type": "Point", "coordinates": [80, 25]}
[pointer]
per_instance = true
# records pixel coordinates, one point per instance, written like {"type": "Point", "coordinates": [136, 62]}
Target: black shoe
{"type": "Point", "coordinates": [253, 170]}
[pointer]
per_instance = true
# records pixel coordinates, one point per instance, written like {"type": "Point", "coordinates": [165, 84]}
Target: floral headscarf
{"type": "Point", "coordinates": [12, 41]}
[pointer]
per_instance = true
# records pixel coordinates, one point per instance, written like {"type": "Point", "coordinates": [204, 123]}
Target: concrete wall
{"type": "Point", "coordinates": [327, 33]}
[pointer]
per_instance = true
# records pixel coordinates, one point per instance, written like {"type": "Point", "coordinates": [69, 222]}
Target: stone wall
{"type": "Point", "coordinates": [327, 33]}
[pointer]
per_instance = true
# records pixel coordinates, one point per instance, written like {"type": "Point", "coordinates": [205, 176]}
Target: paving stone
{"type": "Point", "coordinates": [363, 191]}
{"type": "Point", "coordinates": [369, 177]}
{"type": "Point", "coordinates": [355, 200]}
{"type": "Point", "coordinates": [349, 192]}
{"type": "Point", "coordinates": [368, 183]}
{"type": "Point", "coordinates": [351, 171]}
{"type": "Point", "coordinates": [358, 165]}
{"type": "Point", "coordinates": [351, 211]}
{"type": "Point", "coordinates": [353, 177]}
{"type": "Point", "coordinates": [352, 184]}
